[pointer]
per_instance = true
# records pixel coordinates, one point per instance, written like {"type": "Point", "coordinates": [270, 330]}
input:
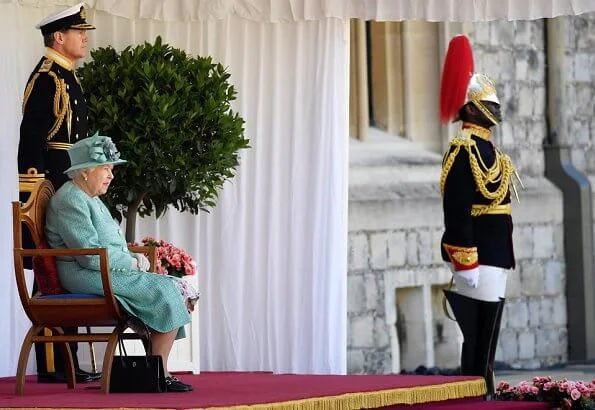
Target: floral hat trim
{"type": "Point", "coordinates": [92, 152]}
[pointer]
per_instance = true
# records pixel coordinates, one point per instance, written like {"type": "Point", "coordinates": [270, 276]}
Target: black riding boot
{"type": "Point", "coordinates": [489, 329]}
{"type": "Point", "coordinates": [466, 311]}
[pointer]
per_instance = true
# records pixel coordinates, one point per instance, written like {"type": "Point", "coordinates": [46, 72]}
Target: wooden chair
{"type": "Point", "coordinates": [64, 310]}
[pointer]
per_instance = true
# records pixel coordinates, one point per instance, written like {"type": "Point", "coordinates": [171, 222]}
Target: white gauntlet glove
{"type": "Point", "coordinates": [142, 262]}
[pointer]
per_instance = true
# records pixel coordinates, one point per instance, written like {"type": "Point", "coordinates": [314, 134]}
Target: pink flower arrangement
{"type": "Point", "coordinates": [171, 260]}
{"type": "Point", "coordinates": [564, 394]}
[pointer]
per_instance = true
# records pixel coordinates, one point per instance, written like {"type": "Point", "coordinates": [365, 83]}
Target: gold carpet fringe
{"type": "Point", "coordinates": [349, 401]}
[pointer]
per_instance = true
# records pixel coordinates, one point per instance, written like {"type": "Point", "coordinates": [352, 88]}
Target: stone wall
{"type": "Point", "coordinates": [395, 272]}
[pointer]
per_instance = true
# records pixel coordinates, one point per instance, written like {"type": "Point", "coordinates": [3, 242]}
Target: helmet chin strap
{"type": "Point", "coordinates": [486, 112]}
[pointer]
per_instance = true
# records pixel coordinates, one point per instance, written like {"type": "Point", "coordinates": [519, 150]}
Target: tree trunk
{"type": "Point", "coordinates": [131, 219]}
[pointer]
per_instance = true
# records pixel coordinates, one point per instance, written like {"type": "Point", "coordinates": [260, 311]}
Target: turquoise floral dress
{"type": "Point", "coordinates": [76, 220]}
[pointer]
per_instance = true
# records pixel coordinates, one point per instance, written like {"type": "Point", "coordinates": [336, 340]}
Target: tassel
{"type": "Point", "coordinates": [456, 74]}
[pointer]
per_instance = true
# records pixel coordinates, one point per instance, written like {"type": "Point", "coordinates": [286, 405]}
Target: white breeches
{"type": "Point", "coordinates": [491, 284]}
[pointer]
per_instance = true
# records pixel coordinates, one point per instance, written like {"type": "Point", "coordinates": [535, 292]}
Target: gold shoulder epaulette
{"type": "Point", "coordinates": [45, 66]}
{"type": "Point", "coordinates": [451, 154]}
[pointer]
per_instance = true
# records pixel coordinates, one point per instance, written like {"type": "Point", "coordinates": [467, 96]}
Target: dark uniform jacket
{"type": "Point", "coordinates": [54, 117]}
{"type": "Point", "coordinates": [486, 239]}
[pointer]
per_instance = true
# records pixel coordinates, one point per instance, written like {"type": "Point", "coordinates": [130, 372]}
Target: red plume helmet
{"type": "Point", "coordinates": [456, 74]}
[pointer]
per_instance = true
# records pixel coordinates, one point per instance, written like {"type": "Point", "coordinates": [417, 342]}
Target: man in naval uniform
{"type": "Point", "coordinates": [475, 185]}
{"type": "Point", "coordinates": [54, 117]}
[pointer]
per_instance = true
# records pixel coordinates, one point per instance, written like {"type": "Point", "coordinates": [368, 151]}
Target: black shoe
{"type": "Point", "coordinates": [190, 388]}
{"type": "Point", "coordinates": [91, 376]}
{"type": "Point", "coordinates": [57, 377]}
{"type": "Point", "coordinates": [174, 385]}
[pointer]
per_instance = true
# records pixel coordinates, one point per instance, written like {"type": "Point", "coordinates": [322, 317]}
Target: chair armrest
{"type": "Point", "coordinates": [106, 282]}
{"type": "Point", "coordinates": [149, 251]}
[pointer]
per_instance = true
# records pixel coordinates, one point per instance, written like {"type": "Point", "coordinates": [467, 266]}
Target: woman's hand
{"type": "Point", "coordinates": [142, 262]}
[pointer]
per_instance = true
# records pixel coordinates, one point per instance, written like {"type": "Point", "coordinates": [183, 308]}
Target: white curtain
{"type": "Point", "coordinates": [296, 10]}
{"type": "Point", "coordinates": [272, 254]}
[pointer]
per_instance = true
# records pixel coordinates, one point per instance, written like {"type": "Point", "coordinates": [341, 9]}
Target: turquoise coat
{"type": "Point", "coordinates": [75, 220]}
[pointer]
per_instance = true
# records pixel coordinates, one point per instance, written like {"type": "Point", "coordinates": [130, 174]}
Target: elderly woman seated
{"type": "Point", "coordinates": [77, 218]}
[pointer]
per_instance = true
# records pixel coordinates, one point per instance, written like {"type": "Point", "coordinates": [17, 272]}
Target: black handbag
{"type": "Point", "coordinates": [137, 374]}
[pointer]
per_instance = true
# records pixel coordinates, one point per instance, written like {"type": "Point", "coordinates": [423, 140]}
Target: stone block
{"type": "Point", "coordinates": [518, 314]}
{"type": "Point", "coordinates": [526, 100]}
{"type": "Point", "coordinates": [543, 241]}
{"type": "Point", "coordinates": [481, 33]}
{"type": "Point", "coordinates": [534, 307]}
{"type": "Point", "coordinates": [536, 129]}
{"type": "Point", "coordinates": [526, 345]}
{"type": "Point", "coordinates": [539, 105]}
{"type": "Point", "coordinates": [585, 104]}
{"type": "Point", "coordinates": [508, 345]}
{"type": "Point", "coordinates": [355, 361]}
{"type": "Point", "coordinates": [522, 34]}
{"type": "Point", "coordinates": [362, 332]}
{"type": "Point", "coordinates": [412, 241]}
{"type": "Point", "coordinates": [397, 249]}
{"type": "Point", "coordinates": [381, 334]}
{"type": "Point", "coordinates": [582, 67]}
{"type": "Point", "coordinates": [546, 311]}
{"type": "Point", "coordinates": [356, 293]}
{"type": "Point", "coordinates": [374, 294]}
{"type": "Point", "coordinates": [436, 248]}
{"type": "Point", "coordinates": [506, 134]}
{"type": "Point", "coordinates": [359, 252]}
{"type": "Point", "coordinates": [506, 65]}
{"type": "Point", "coordinates": [579, 131]}
{"type": "Point", "coordinates": [578, 158]}
{"type": "Point", "coordinates": [522, 237]}
{"type": "Point", "coordinates": [583, 31]}
{"type": "Point", "coordinates": [549, 342]}
{"type": "Point", "coordinates": [559, 312]}
{"type": "Point", "coordinates": [532, 279]}
{"type": "Point", "coordinates": [502, 34]}
{"type": "Point", "coordinates": [513, 284]}
{"type": "Point", "coordinates": [521, 67]}
{"type": "Point", "coordinates": [378, 250]}
{"type": "Point", "coordinates": [377, 362]}
{"type": "Point", "coordinates": [553, 278]}
{"type": "Point", "coordinates": [425, 250]}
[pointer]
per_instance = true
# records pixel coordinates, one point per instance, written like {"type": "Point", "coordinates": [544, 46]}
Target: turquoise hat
{"type": "Point", "coordinates": [92, 152]}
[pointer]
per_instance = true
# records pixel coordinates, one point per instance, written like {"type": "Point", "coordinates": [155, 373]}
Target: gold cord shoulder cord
{"type": "Point", "coordinates": [500, 172]}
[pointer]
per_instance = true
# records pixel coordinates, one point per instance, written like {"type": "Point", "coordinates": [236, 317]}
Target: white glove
{"type": "Point", "coordinates": [142, 262]}
{"type": "Point", "coordinates": [469, 277]}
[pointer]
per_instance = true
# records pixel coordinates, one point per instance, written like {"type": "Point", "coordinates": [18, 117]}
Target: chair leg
{"type": "Point", "coordinates": [108, 357]}
{"type": "Point", "coordinates": [69, 362]}
{"type": "Point", "coordinates": [92, 353]}
{"type": "Point", "coordinates": [24, 358]}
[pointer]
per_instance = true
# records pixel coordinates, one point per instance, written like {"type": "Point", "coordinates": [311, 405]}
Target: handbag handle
{"type": "Point", "coordinates": [122, 347]}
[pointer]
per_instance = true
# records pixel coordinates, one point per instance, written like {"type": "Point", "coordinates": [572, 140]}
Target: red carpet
{"type": "Point", "coordinates": [260, 389]}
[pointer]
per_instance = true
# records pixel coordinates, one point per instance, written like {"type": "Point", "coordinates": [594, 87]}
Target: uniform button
{"type": "Point", "coordinates": [75, 102]}
{"type": "Point", "coordinates": [77, 119]}
{"type": "Point", "coordinates": [76, 136]}
{"type": "Point", "coordinates": [67, 86]}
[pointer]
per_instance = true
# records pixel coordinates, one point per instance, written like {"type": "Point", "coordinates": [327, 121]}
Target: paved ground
{"type": "Point", "coordinates": [584, 372]}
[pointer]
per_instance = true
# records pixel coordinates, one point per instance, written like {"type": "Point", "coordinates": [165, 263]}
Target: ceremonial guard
{"type": "Point", "coordinates": [54, 117]}
{"type": "Point", "coordinates": [475, 183]}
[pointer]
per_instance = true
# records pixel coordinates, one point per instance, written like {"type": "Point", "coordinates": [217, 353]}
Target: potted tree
{"type": "Point", "coordinates": [170, 116]}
